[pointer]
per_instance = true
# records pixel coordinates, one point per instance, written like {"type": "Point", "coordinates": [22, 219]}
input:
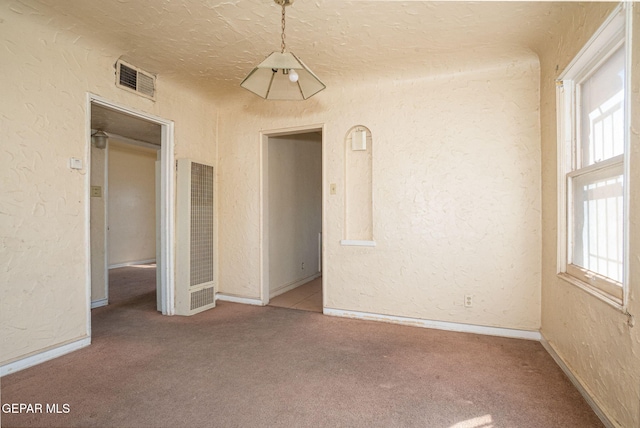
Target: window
{"type": "Point", "coordinates": [592, 137]}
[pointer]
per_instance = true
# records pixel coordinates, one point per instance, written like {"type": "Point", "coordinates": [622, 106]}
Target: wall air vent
{"type": "Point", "coordinates": [136, 80]}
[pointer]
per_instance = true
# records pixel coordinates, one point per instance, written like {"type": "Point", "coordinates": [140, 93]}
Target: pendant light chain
{"type": "Point", "coordinates": [283, 46]}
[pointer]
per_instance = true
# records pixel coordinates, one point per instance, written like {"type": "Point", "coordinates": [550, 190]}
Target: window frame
{"type": "Point", "coordinates": [613, 33]}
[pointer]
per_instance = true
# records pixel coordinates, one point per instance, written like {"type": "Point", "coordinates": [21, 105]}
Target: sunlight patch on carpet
{"type": "Point", "coordinates": [485, 421]}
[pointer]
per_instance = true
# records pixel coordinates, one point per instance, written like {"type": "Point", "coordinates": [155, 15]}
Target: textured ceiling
{"type": "Point", "coordinates": [213, 44]}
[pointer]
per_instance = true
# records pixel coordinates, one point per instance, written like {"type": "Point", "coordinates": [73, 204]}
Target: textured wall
{"type": "Point", "coordinates": [295, 208]}
{"type": "Point", "coordinates": [456, 175]}
{"type": "Point", "coordinates": [592, 337]}
{"type": "Point", "coordinates": [47, 71]}
{"type": "Point", "coordinates": [132, 199]}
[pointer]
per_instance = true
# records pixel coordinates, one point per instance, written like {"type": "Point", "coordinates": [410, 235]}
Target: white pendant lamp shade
{"type": "Point", "coordinates": [271, 79]}
{"type": "Point", "coordinates": [282, 76]}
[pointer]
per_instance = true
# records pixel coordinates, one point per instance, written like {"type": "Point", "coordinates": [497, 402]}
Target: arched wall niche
{"type": "Point", "coordinates": [358, 227]}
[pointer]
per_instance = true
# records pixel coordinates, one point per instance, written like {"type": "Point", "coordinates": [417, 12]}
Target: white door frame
{"type": "Point", "coordinates": [167, 202]}
{"type": "Point", "coordinates": [264, 202]}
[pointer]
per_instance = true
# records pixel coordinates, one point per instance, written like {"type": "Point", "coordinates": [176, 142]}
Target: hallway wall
{"type": "Point", "coordinates": [132, 203]}
{"type": "Point", "coordinates": [295, 209]}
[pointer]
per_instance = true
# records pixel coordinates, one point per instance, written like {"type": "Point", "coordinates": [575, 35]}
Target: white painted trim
{"type": "Point", "coordinates": [99, 303]}
{"type": "Point", "coordinates": [628, 40]}
{"type": "Point", "coordinates": [133, 263]}
{"type": "Point", "coordinates": [563, 165]}
{"type": "Point", "coordinates": [167, 217]}
{"type": "Point", "coordinates": [41, 357]}
{"type": "Point", "coordinates": [157, 179]}
{"type": "Point", "coordinates": [87, 216]}
{"type": "Point", "coordinates": [320, 250]}
{"type": "Point", "coordinates": [325, 198]}
{"type": "Point", "coordinates": [575, 380]}
{"type": "Point", "coordinates": [236, 299]}
{"type": "Point", "coordinates": [439, 325]}
{"type": "Point", "coordinates": [357, 243]}
{"type": "Point", "coordinates": [105, 195]}
{"type": "Point", "coordinates": [288, 287]}
{"type": "Point", "coordinates": [264, 218]}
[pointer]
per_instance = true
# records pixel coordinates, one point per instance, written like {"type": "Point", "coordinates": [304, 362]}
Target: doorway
{"type": "Point", "coordinates": [292, 220]}
{"type": "Point", "coordinates": [142, 144]}
{"type": "Point", "coordinates": [132, 232]}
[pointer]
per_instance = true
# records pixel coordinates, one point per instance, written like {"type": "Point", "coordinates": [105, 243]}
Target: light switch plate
{"type": "Point", "coordinates": [75, 163]}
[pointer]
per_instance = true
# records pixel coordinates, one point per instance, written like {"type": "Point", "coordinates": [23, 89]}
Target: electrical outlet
{"type": "Point", "coordinates": [468, 300]}
{"type": "Point", "coordinates": [302, 265]}
{"type": "Point", "coordinates": [96, 191]}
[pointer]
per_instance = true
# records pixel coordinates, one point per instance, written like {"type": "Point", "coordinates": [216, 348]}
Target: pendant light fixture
{"type": "Point", "coordinates": [282, 76]}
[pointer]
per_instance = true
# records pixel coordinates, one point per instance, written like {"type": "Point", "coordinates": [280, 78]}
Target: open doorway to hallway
{"type": "Point", "coordinates": [132, 207]}
{"type": "Point", "coordinates": [292, 192]}
{"type": "Point", "coordinates": [133, 285]}
{"type": "Point", "coordinates": [306, 297]}
{"type": "Point", "coordinates": [127, 242]}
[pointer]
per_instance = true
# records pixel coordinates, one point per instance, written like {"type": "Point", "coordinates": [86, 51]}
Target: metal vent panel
{"type": "Point", "coordinates": [146, 84]}
{"type": "Point", "coordinates": [136, 80]}
{"type": "Point", "coordinates": [201, 298]}
{"type": "Point", "coordinates": [201, 224]}
{"type": "Point", "coordinates": [128, 77]}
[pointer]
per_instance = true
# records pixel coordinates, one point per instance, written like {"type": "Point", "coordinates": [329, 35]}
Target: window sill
{"type": "Point", "coordinates": [610, 300]}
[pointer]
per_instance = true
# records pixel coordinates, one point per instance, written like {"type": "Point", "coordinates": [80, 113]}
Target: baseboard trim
{"type": "Point", "coordinates": [439, 325]}
{"type": "Point", "coordinates": [289, 287]}
{"type": "Point", "coordinates": [134, 263]}
{"type": "Point", "coordinates": [99, 303]}
{"type": "Point", "coordinates": [41, 357]}
{"type": "Point", "coordinates": [236, 299]}
{"type": "Point", "coordinates": [575, 380]}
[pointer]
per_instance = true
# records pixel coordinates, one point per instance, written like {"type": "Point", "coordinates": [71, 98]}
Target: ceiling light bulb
{"type": "Point", "coordinates": [293, 76]}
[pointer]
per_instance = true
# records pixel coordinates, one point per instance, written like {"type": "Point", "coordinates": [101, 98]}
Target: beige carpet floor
{"type": "Point", "coordinates": [248, 366]}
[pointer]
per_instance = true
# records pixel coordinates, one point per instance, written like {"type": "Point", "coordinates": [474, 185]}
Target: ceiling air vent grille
{"type": "Point", "coordinates": [134, 79]}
